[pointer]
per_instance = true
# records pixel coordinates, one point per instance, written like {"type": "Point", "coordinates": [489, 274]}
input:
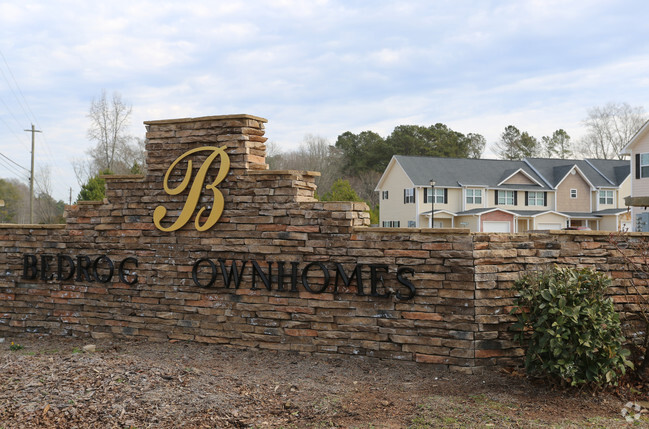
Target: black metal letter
{"type": "Point", "coordinates": [45, 267]}
{"type": "Point", "coordinates": [305, 279]}
{"type": "Point", "coordinates": [111, 269]}
{"type": "Point", "coordinates": [59, 267]}
{"type": "Point", "coordinates": [83, 264]}
{"type": "Point", "coordinates": [30, 266]}
{"type": "Point", "coordinates": [340, 273]}
{"type": "Point", "coordinates": [281, 276]}
{"type": "Point", "coordinates": [407, 283]}
{"type": "Point", "coordinates": [233, 273]}
{"type": "Point", "coordinates": [375, 278]}
{"type": "Point", "coordinates": [257, 271]}
{"type": "Point", "coordinates": [120, 271]}
{"type": "Point", "coordinates": [195, 272]}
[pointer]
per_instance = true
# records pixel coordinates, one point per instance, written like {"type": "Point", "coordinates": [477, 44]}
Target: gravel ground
{"type": "Point", "coordinates": [53, 383]}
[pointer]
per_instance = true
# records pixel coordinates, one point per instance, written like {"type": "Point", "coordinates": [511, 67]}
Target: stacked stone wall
{"type": "Point", "coordinates": [279, 270]}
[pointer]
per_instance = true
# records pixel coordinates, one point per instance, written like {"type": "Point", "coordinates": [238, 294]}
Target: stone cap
{"type": "Point", "coordinates": [413, 230]}
{"type": "Point", "coordinates": [206, 118]}
{"type": "Point", "coordinates": [285, 172]}
{"type": "Point", "coordinates": [32, 226]}
{"type": "Point", "coordinates": [126, 177]}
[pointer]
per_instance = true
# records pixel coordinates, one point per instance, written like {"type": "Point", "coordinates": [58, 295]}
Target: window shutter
{"type": "Point", "coordinates": [545, 198]}
{"type": "Point", "coordinates": [515, 198]}
{"type": "Point", "coordinates": [637, 165]}
{"type": "Point", "coordinates": [527, 198]}
{"type": "Point", "coordinates": [445, 195]}
{"type": "Point", "coordinates": [425, 195]}
{"type": "Point", "coordinates": [404, 196]}
{"type": "Point", "coordinates": [496, 197]}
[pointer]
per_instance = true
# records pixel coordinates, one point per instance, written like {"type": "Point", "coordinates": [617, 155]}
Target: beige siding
{"type": "Point", "coordinates": [393, 209]}
{"type": "Point", "coordinates": [612, 223]}
{"type": "Point", "coordinates": [474, 206]}
{"type": "Point", "coordinates": [452, 204]}
{"type": "Point", "coordinates": [442, 220]}
{"type": "Point", "coordinates": [623, 191]}
{"type": "Point", "coordinates": [491, 202]}
{"type": "Point", "coordinates": [549, 218]}
{"type": "Point", "coordinates": [519, 179]}
{"type": "Point", "coordinates": [599, 206]}
{"type": "Point", "coordinates": [470, 221]}
{"type": "Point", "coordinates": [580, 204]}
{"type": "Point", "coordinates": [640, 187]}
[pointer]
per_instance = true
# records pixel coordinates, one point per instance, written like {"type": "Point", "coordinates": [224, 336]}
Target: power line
{"type": "Point", "coordinates": [46, 145]}
{"type": "Point", "coordinates": [13, 170]}
{"type": "Point", "coordinates": [12, 90]}
{"type": "Point", "coordinates": [14, 162]}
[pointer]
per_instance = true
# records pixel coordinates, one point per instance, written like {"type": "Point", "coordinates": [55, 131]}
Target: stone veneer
{"type": "Point", "coordinates": [459, 316]}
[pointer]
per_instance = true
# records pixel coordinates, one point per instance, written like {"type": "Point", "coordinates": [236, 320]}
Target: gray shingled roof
{"type": "Point", "coordinates": [455, 172]}
{"type": "Point", "coordinates": [616, 170]}
{"type": "Point", "coordinates": [599, 172]}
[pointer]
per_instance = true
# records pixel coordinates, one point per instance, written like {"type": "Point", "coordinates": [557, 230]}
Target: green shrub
{"type": "Point", "coordinates": [571, 329]}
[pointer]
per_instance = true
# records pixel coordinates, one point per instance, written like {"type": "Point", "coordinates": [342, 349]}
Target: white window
{"type": "Point", "coordinates": [409, 195]}
{"type": "Point", "coordinates": [391, 224]}
{"type": "Point", "coordinates": [506, 197]}
{"type": "Point", "coordinates": [384, 195]}
{"type": "Point", "coordinates": [644, 165]}
{"type": "Point", "coordinates": [474, 196]}
{"type": "Point", "coordinates": [573, 193]}
{"type": "Point", "coordinates": [412, 224]}
{"type": "Point", "coordinates": [439, 196]}
{"type": "Point", "coordinates": [606, 197]}
{"type": "Point", "coordinates": [535, 198]}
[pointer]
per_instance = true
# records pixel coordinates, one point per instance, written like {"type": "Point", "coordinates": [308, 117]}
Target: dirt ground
{"type": "Point", "coordinates": [52, 382]}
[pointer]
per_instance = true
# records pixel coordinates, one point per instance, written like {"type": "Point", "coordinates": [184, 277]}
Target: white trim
{"type": "Point", "coordinates": [600, 173]}
{"type": "Point", "coordinates": [626, 150]}
{"type": "Point", "coordinates": [416, 207]}
{"type": "Point", "coordinates": [499, 222]}
{"type": "Point", "coordinates": [515, 173]}
{"type": "Point", "coordinates": [583, 176]}
{"type": "Point", "coordinates": [549, 212]}
{"type": "Point", "coordinates": [393, 161]}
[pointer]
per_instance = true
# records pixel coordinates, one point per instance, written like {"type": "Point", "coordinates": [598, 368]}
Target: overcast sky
{"type": "Point", "coordinates": [320, 67]}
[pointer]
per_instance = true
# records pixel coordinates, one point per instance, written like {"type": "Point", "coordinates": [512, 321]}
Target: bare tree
{"type": "Point", "coordinates": [315, 154]}
{"type": "Point", "coordinates": [46, 208]}
{"type": "Point", "coordinates": [108, 130]}
{"type": "Point", "coordinates": [610, 128]}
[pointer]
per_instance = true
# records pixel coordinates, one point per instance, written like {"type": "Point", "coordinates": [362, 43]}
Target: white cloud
{"type": "Point", "coordinates": [321, 67]}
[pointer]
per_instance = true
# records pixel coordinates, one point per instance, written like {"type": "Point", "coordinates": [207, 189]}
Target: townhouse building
{"type": "Point", "coordinates": [638, 150]}
{"type": "Point", "coordinates": [487, 195]}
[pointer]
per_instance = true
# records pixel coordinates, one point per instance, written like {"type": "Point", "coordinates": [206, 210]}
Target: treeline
{"type": "Point", "coordinates": [609, 129]}
{"type": "Point", "coordinates": [351, 168]}
{"type": "Point", "coordinates": [15, 208]}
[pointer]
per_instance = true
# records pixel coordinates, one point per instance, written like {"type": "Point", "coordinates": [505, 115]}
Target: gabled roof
{"type": "Point", "coordinates": [455, 172]}
{"type": "Point", "coordinates": [614, 170]}
{"type": "Point", "coordinates": [485, 210]}
{"type": "Point", "coordinates": [547, 173]}
{"type": "Point", "coordinates": [511, 173]}
{"type": "Point", "coordinates": [638, 135]}
{"type": "Point", "coordinates": [598, 172]}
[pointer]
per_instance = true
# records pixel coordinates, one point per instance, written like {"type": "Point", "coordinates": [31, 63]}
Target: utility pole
{"type": "Point", "coordinates": [31, 177]}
